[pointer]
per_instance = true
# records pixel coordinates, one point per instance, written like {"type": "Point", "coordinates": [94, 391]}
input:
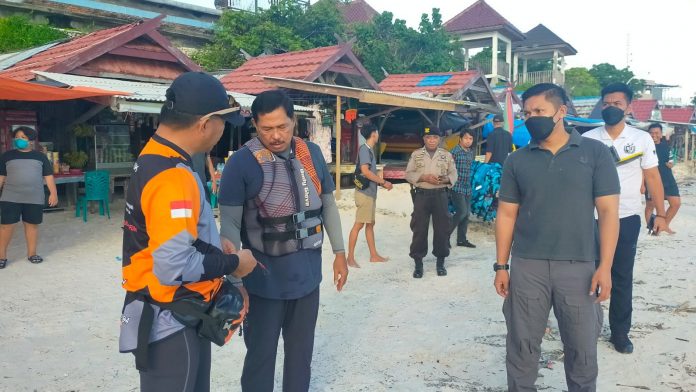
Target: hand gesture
{"type": "Point", "coordinates": [247, 263]}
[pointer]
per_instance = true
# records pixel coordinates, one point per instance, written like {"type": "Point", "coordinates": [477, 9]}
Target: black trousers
{"type": "Point", "coordinates": [621, 305]}
{"type": "Point", "coordinates": [427, 203]}
{"type": "Point", "coordinates": [266, 319]}
{"type": "Point", "coordinates": [180, 362]}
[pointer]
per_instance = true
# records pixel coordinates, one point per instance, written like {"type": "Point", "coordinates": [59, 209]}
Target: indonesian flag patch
{"type": "Point", "coordinates": [181, 209]}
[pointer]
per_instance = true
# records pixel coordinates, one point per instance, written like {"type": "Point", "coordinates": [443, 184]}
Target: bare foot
{"type": "Point", "coordinates": [378, 259]}
{"type": "Point", "coordinates": [352, 263]}
{"type": "Point", "coordinates": [670, 231]}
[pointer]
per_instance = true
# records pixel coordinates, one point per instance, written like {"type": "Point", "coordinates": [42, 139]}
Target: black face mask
{"type": "Point", "coordinates": [612, 115]}
{"type": "Point", "coordinates": [540, 127]}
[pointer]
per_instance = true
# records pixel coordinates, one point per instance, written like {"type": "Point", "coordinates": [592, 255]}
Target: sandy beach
{"type": "Point", "coordinates": [385, 332]}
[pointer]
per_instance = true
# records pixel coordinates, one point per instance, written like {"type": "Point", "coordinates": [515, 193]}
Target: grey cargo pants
{"type": "Point", "coordinates": [536, 285]}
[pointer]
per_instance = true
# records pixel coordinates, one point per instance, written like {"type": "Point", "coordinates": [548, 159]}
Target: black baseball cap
{"type": "Point", "coordinates": [432, 130]}
{"type": "Point", "coordinates": [498, 117]}
{"type": "Point", "coordinates": [201, 94]}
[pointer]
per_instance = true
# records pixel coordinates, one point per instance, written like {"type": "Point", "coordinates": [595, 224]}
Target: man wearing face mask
{"type": "Point", "coordinates": [636, 158]}
{"type": "Point", "coordinates": [432, 172]}
{"type": "Point", "coordinates": [548, 192]}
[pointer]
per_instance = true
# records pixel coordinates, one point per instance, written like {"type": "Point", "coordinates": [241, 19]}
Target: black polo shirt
{"type": "Point", "coordinates": [556, 196]}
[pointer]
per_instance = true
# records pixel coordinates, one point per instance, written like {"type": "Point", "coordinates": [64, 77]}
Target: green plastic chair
{"type": "Point", "coordinates": [213, 196]}
{"type": "Point", "coordinates": [96, 189]}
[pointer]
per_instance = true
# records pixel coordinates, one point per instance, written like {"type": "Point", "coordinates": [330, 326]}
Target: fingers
{"type": "Point", "coordinates": [593, 286]}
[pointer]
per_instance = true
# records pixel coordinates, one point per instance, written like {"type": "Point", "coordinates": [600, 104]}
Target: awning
{"type": "Point", "coordinates": [141, 97]}
{"type": "Point", "coordinates": [381, 97]}
{"type": "Point", "coordinates": [15, 90]}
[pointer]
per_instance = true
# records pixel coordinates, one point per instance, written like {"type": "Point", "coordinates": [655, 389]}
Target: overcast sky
{"type": "Point", "coordinates": [656, 39]}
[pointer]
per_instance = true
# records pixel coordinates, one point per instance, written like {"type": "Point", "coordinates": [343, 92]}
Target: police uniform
{"type": "Point", "coordinates": [430, 199]}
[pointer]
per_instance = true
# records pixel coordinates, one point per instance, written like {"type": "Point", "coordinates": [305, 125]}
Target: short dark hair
{"type": "Point", "coordinates": [466, 131]}
{"type": "Point", "coordinates": [550, 91]}
{"type": "Point", "coordinates": [655, 125]}
{"type": "Point", "coordinates": [271, 100]}
{"type": "Point", "coordinates": [367, 129]}
{"type": "Point", "coordinates": [29, 132]}
{"type": "Point", "coordinates": [618, 87]}
{"type": "Point", "coordinates": [176, 119]}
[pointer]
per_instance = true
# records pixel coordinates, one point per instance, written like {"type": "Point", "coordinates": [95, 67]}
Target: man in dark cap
{"type": "Point", "coordinates": [498, 143]}
{"type": "Point", "coordinates": [432, 172]}
{"type": "Point", "coordinates": [171, 246]}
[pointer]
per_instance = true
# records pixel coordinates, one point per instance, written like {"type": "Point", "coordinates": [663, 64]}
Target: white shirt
{"type": "Point", "coordinates": [630, 141]}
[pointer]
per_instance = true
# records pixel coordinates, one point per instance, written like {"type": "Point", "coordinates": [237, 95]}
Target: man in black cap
{"type": "Point", "coordinates": [171, 245]}
{"type": "Point", "coordinates": [498, 143]}
{"type": "Point", "coordinates": [432, 172]}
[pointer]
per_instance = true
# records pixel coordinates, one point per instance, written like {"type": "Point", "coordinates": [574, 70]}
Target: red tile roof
{"type": "Point", "coordinates": [679, 115]}
{"type": "Point", "coordinates": [91, 53]}
{"type": "Point", "coordinates": [643, 108]}
{"type": "Point", "coordinates": [63, 52]}
{"type": "Point", "coordinates": [357, 11]}
{"type": "Point", "coordinates": [408, 83]}
{"type": "Point", "coordinates": [481, 17]}
{"type": "Point", "coordinates": [293, 65]}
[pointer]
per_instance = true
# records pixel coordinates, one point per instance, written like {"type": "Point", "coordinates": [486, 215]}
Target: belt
{"type": "Point", "coordinates": [434, 190]}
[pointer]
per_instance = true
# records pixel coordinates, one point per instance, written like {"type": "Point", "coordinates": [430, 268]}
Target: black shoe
{"type": "Point", "coordinates": [418, 271]}
{"type": "Point", "coordinates": [465, 244]}
{"type": "Point", "coordinates": [622, 344]}
{"type": "Point", "coordinates": [440, 267]}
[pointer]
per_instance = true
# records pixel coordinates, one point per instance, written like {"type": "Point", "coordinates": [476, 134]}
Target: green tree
{"type": "Point", "coordinates": [606, 74]}
{"type": "Point", "coordinates": [17, 32]}
{"type": "Point", "coordinates": [693, 100]}
{"type": "Point", "coordinates": [388, 43]}
{"type": "Point", "coordinates": [579, 82]}
{"type": "Point", "coordinates": [284, 27]}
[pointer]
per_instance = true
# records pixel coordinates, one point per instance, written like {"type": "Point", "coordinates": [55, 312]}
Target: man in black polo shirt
{"type": "Point", "coordinates": [498, 143]}
{"type": "Point", "coordinates": [548, 192]}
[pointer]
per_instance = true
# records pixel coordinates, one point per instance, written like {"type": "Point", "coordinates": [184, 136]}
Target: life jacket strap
{"type": "Point", "coordinates": [299, 234]}
{"type": "Point", "coordinates": [294, 218]}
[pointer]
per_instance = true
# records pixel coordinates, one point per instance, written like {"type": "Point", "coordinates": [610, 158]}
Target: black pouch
{"type": "Point", "coordinates": [216, 320]}
{"type": "Point", "coordinates": [361, 182]}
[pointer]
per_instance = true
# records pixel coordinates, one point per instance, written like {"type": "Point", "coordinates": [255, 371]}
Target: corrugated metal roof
{"type": "Point", "coordinates": [9, 59]}
{"type": "Point", "coordinates": [140, 91]}
{"type": "Point", "coordinates": [380, 97]}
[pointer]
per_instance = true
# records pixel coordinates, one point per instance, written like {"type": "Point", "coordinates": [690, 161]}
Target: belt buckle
{"type": "Point", "coordinates": [301, 234]}
{"type": "Point", "coordinates": [299, 217]}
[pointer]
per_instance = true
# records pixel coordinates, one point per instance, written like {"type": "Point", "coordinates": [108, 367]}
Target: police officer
{"type": "Point", "coordinates": [432, 172]}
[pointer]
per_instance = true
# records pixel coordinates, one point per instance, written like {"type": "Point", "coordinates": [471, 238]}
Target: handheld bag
{"type": "Point", "coordinates": [216, 320]}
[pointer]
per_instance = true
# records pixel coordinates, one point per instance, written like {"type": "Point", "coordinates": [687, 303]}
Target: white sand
{"type": "Point", "coordinates": [386, 331]}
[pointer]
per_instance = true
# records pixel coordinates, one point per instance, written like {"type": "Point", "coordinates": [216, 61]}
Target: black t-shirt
{"type": "Point", "coordinates": [499, 144]}
{"type": "Point", "coordinates": [556, 197]}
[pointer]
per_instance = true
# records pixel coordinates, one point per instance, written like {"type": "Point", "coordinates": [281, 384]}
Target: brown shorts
{"type": "Point", "coordinates": [365, 212]}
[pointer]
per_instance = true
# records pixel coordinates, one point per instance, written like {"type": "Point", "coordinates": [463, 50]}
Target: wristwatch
{"type": "Point", "coordinates": [497, 267]}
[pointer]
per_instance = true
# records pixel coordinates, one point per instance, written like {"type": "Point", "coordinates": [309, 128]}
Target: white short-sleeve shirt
{"type": "Point", "coordinates": [631, 141]}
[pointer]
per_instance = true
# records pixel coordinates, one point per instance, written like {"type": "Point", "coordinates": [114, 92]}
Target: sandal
{"type": "Point", "coordinates": [3, 263]}
{"type": "Point", "coordinates": [35, 259]}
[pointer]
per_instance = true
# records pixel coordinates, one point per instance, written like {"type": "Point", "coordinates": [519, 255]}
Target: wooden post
{"type": "Point", "coordinates": [338, 147]}
{"type": "Point", "coordinates": [494, 60]}
{"type": "Point", "coordinates": [686, 144]}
